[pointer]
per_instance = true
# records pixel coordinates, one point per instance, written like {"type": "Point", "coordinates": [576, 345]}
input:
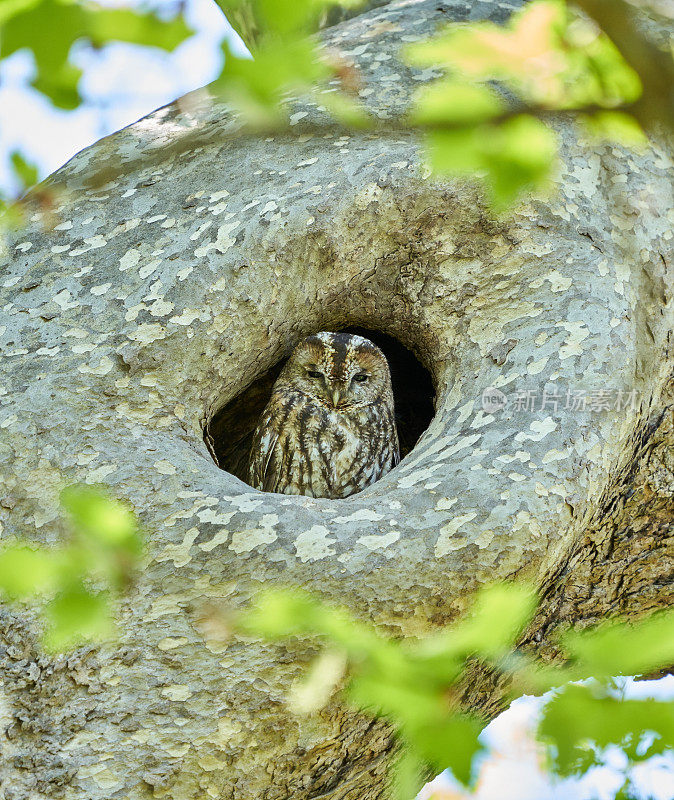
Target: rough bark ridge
{"type": "Point", "coordinates": [163, 294]}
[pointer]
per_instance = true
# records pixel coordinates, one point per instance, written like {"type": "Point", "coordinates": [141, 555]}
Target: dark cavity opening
{"type": "Point", "coordinates": [229, 433]}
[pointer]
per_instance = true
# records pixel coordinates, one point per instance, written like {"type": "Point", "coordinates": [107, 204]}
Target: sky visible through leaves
{"type": "Point", "coordinates": [514, 769]}
{"type": "Point", "coordinates": [122, 83]}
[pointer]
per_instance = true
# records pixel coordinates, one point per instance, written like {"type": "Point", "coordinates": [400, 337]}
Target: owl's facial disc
{"type": "Point", "coordinates": [339, 370]}
{"type": "Point", "coordinates": [327, 387]}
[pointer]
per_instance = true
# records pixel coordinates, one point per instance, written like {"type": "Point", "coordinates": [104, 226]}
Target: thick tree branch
{"type": "Point", "coordinates": [283, 129]}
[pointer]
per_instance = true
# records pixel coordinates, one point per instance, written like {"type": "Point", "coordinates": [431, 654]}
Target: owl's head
{"type": "Point", "coordinates": [340, 370]}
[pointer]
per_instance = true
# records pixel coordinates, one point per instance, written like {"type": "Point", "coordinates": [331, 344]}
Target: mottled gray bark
{"type": "Point", "coordinates": [161, 295]}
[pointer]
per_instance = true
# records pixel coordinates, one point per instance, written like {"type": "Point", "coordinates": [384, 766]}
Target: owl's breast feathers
{"type": "Point", "coordinates": [302, 447]}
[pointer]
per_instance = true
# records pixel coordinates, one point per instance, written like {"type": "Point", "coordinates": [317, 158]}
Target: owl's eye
{"type": "Point", "coordinates": [314, 373]}
{"type": "Point", "coordinates": [361, 377]}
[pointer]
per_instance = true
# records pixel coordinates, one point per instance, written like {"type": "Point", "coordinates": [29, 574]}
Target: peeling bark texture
{"type": "Point", "coordinates": [621, 563]}
{"type": "Point", "coordinates": [161, 296]}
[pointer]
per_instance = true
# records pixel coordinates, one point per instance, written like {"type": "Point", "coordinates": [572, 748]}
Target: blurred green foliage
{"type": "Point", "coordinates": [550, 58]}
{"type": "Point", "coordinates": [49, 28]}
{"type": "Point", "coordinates": [510, 156]}
{"type": "Point", "coordinates": [581, 719]}
{"type": "Point", "coordinates": [258, 21]}
{"type": "Point", "coordinates": [25, 171]}
{"type": "Point", "coordinates": [26, 175]}
{"type": "Point", "coordinates": [256, 86]}
{"type": "Point", "coordinates": [416, 684]}
{"type": "Point", "coordinates": [546, 53]}
{"type": "Point", "coordinates": [78, 582]}
{"type": "Point", "coordinates": [284, 57]}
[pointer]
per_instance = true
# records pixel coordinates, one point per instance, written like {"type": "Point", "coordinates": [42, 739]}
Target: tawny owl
{"type": "Point", "coordinates": [328, 429]}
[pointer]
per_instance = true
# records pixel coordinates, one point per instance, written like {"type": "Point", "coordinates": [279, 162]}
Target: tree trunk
{"type": "Point", "coordinates": [147, 324]}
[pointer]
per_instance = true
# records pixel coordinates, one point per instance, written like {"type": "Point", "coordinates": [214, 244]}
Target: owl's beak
{"type": "Point", "coordinates": [336, 397]}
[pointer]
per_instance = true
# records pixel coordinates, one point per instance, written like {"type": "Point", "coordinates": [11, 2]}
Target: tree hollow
{"type": "Point", "coordinates": [229, 432]}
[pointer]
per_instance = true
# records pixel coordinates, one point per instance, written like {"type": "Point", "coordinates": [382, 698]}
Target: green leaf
{"type": "Point", "coordinates": [105, 548]}
{"type": "Point", "coordinates": [256, 86]}
{"type": "Point", "coordinates": [283, 612]}
{"type": "Point", "coordinates": [520, 158]}
{"type": "Point", "coordinates": [545, 53]}
{"type": "Point", "coordinates": [406, 704]}
{"type": "Point", "coordinates": [515, 156]}
{"type": "Point", "coordinates": [11, 8]}
{"type": "Point", "coordinates": [458, 152]}
{"type": "Point", "coordinates": [288, 16]}
{"type": "Point", "coordinates": [615, 126]}
{"type": "Point", "coordinates": [622, 647]}
{"type": "Point", "coordinates": [615, 81]}
{"type": "Point", "coordinates": [435, 662]}
{"type": "Point", "coordinates": [255, 20]}
{"type": "Point", "coordinates": [49, 28]}
{"type": "Point", "coordinates": [409, 774]}
{"type": "Point", "coordinates": [289, 612]}
{"type": "Point", "coordinates": [27, 571]}
{"type": "Point", "coordinates": [499, 614]}
{"type": "Point", "coordinates": [60, 86]}
{"type": "Point", "coordinates": [12, 216]}
{"type": "Point", "coordinates": [524, 46]}
{"type": "Point", "coordinates": [98, 517]}
{"type": "Point", "coordinates": [124, 25]}
{"type": "Point", "coordinates": [576, 720]}
{"type": "Point", "coordinates": [345, 109]}
{"type": "Point", "coordinates": [453, 743]}
{"type": "Point", "coordinates": [242, 15]}
{"type": "Point", "coordinates": [457, 103]}
{"type": "Point", "coordinates": [26, 172]}
{"type": "Point", "coordinates": [409, 683]}
{"type": "Point", "coordinates": [77, 615]}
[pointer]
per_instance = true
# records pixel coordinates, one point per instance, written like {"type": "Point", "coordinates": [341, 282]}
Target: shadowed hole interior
{"type": "Point", "coordinates": [229, 433]}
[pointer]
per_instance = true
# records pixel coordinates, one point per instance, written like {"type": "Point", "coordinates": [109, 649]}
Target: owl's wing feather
{"type": "Point", "coordinates": [272, 441]}
{"type": "Point", "coordinates": [262, 473]}
{"type": "Point", "coordinates": [261, 452]}
{"type": "Point", "coordinates": [264, 458]}
{"type": "Point", "coordinates": [269, 475]}
{"type": "Point", "coordinates": [393, 438]}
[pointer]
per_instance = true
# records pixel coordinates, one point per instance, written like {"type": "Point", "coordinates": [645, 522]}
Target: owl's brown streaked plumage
{"type": "Point", "coordinates": [328, 429]}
